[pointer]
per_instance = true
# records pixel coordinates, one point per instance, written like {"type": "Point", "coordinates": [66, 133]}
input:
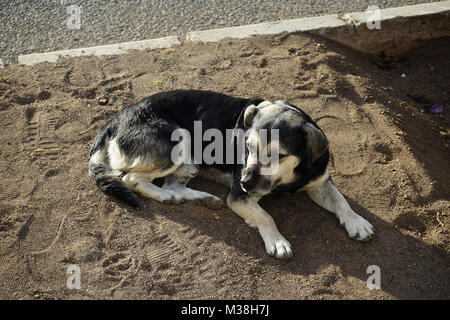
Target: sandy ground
{"type": "Point", "coordinates": [390, 159]}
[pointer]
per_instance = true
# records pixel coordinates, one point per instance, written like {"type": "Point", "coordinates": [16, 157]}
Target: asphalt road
{"type": "Point", "coordinates": [30, 26]}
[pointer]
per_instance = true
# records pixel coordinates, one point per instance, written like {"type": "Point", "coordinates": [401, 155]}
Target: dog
{"type": "Point", "coordinates": [137, 147]}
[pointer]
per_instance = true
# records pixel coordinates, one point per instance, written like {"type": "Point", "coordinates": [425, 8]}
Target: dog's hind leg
{"type": "Point", "coordinates": [177, 181]}
{"type": "Point", "coordinates": [141, 182]}
{"type": "Point", "coordinates": [325, 194]}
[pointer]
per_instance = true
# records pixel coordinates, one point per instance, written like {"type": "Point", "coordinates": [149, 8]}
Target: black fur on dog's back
{"type": "Point", "coordinates": [136, 127]}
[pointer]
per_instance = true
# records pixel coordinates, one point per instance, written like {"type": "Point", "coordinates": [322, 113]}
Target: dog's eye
{"type": "Point", "coordinates": [282, 156]}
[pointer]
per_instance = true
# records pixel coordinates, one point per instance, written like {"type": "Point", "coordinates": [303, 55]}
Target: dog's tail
{"type": "Point", "coordinates": [102, 173]}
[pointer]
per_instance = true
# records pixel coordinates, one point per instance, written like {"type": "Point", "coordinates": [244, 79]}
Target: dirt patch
{"type": "Point", "coordinates": [390, 159]}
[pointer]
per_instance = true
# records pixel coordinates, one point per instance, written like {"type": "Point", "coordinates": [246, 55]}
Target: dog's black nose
{"type": "Point", "coordinates": [248, 183]}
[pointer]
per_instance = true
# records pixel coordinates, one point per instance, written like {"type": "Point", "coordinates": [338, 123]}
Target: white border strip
{"type": "Point", "coordinates": [110, 49]}
{"type": "Point", "coordinates": [295, 25]}
{"type": "Point", "coordinates": [416, 10]}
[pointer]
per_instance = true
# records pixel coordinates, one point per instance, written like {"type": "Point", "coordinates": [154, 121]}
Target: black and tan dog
{"type": "Point", "coordinates": [136, 147]}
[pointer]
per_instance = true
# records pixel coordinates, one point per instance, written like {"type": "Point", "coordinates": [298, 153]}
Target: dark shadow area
{"type": "Point", "coordinates": [407, 86]}
{"type": "Point", "coordinates": [410, 268]}
{"type": "Point", "coordinates": [408, 265]}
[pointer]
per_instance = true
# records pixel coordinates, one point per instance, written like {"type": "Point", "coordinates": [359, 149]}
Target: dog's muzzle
{"type": "Point", "coordinates": [250, 178]}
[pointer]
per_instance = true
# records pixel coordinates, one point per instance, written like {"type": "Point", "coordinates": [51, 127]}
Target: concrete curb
{"type": "Point", "coordinates": [110, 49]}
{"type": "Point", "coordinates": [406, 11]}
{"type": "Point", "coordinates": [402, 29]}
{"type": "Point", "coordinates": [269, 28]}
{"type": "Point", "coordinates": [316, 23]}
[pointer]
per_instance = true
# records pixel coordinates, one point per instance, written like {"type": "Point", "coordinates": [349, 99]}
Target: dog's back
{"type": "Point", "coordinates": [143, 132]}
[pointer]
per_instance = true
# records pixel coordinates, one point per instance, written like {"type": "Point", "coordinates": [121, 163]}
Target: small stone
{"type": "Point", "coordinates": [44, 95]}
{"type": "Point", "coordinates": [103, 101]}
{"type": "Point", "coordinates": [262, 62]}
{"type": "Point", "coordinates": [201, 71]}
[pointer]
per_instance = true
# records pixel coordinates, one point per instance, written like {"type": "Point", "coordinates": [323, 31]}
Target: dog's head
{"type": "Point", "coordinates": [285, 148]}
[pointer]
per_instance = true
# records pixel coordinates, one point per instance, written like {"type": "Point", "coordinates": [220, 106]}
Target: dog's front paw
{"type": "Point", "coordinates": [276, 245]}
{"type": "Point", "coordinates": [358, 228]}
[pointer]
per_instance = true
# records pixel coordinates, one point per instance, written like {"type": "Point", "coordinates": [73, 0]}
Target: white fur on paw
{"type": "Point", "coordinates": [277, 246]}
{"type": "Point", "coordinates": [358, 228]}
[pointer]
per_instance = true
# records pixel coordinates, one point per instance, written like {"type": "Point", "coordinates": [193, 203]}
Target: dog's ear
{"type": "Point", "coordinates": [316, 142]}
{"type": "Point", "coordinates": [249, 115]}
